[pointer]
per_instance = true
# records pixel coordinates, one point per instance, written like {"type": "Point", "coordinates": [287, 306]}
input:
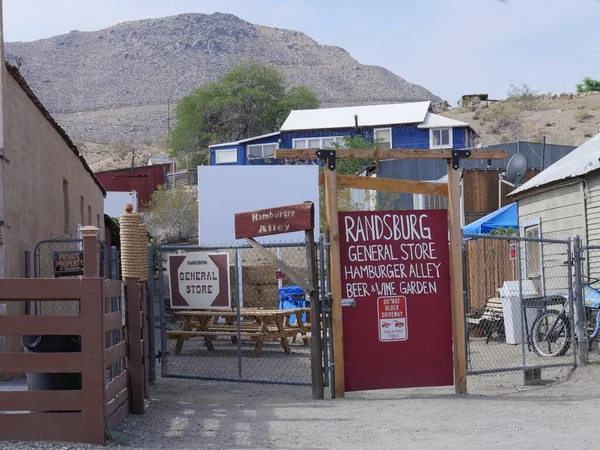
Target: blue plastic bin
{"type": "Point", "coordinates": [291, 297]}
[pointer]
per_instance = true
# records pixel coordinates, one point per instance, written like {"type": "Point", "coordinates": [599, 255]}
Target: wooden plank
{"type": "Point", "coordinates": [117, 385]}
{"type": "Point", "coordinates": [292, 275]}
{"type": "Point", "coordinates": [456, 282]}
{"type": "Point", "coordinates": [388, 184]}
{"type": "Point", "coordinates": [41, 362]}
{"type": "Point", "coordinates": [265, 222]}
{"type": "Point", "coordinates": [134, 342]}
{"type": "Point", "coordinates": [118, 416]}
{"type": "Point", "coordinates": [90, 251]}
{"type": "Point", "coordinates": [40, 401]}
{"type": "Point", "coordinates": [336, 280]}
{"type": "Point", "coordinates": [114, 403]}
{"type": "Point", "coordinates": [42, 289]}
{"type": "Point", "coordinates": [112, 288]}
{"type": "Point", "coordinates": [53, 325]}
{"type": "Point", "coordinates": [115, 353]}
{"type": "Point", "coordinates": [316, 363]}
{"type": "Point", "coordinates": [45, 427]}
{"type": "Point", "coordinates": [92, 346]}
{"type": "Point", "coordinates": [113, 320]}
{"type": "Point", "coordinates": [396, 153]}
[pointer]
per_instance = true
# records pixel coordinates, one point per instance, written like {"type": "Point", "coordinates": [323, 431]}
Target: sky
{"type": "Point", "coordinates": [451, 47]}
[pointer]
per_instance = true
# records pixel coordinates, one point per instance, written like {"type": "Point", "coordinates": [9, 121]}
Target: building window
{"type": "Point", "coordinates": [82, 209]}
{"type": "Point", "coordinates": [98, 220]}
{"type": "Point", "coordinates": [66, 206]}
{"type": "Point", "coordinates": [533, 256]}
{"type": "Point", "coordinates": [226, 156]}
{"type": "Point", "coordinates": [383, 138]}
{"type": "Point", "coordinates": [89, 222]}
{"type": "Point", "coordinates": [261, 150]}
{"type": "Point", "coordinates": [325, 142]}
{"type": "Point", "coordinates": [440, 138]}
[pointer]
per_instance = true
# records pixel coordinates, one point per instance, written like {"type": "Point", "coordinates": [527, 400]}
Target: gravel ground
{"type": "Point", "coordinates": [499, 413]}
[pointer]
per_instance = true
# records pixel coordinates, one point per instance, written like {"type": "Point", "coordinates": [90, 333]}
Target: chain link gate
{"type": "Point", "coordinates": [229, 353]}
{"type": "Point", "coordinates": [515, 289]}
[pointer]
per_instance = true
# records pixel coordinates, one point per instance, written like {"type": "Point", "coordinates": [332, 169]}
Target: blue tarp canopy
{"type": "Point", "coordinates": [505, 217]}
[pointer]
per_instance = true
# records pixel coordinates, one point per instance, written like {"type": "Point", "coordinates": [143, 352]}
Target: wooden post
{"type": "Point", "coordinates": [456, 282]}
{"type": "Point", "coordinates": [316, 362]}
{"type": "Point", "coordinates": [134, 343]}
{"type": "Point", "coordinates": [90, 252]}
{"type": "Point", "coordinates": [336, 280]}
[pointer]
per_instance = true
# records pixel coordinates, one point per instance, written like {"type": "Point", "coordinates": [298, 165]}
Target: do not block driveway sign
{"type": "Point", "coordinates": [199, 280]}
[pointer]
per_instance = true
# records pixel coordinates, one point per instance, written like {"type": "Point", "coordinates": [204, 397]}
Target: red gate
{"type": "Point", "coordinates": [395, 265]}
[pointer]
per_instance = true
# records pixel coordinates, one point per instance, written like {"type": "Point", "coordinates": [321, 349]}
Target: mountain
{"type": "Point", "coordinates": [113, 85]}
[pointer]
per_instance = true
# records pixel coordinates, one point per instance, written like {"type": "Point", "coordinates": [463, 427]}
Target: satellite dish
{"type": "Point", "coordinates": [516, 169]}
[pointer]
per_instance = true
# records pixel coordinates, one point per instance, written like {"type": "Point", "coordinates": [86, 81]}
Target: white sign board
{"type": "Point", "coordinates": [115, 201]}
{"type": "Point", "coordinates": [199, 280]}
{"type": "Point", "coordinates": [224, 191]}
{"type": "Point", "coordinates": [391, 313]}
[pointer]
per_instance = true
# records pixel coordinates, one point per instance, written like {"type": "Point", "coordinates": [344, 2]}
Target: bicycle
{"type": "Point", "coordinates": [551, 330]}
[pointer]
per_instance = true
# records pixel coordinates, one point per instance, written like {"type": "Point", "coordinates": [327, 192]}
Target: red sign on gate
{"type": "Point", "coordinates": [395, 265]}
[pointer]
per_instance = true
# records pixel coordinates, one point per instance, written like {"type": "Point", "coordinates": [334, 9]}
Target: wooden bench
{"type": "Point", "coordinates": [490, 319]}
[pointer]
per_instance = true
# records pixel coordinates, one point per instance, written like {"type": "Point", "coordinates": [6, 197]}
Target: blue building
{"type": "Point", "coordinates": [395, 126]}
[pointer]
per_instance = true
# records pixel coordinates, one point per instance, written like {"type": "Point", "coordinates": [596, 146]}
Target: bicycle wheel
{"type": "Point", "coordinates": [550, 334]}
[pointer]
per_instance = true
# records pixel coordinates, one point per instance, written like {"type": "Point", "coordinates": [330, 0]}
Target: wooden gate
{"type": "Point", "coordinates": [113, 381]}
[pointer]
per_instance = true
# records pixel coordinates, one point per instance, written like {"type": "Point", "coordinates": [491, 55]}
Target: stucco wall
{"type": "Point", "coordinates": [40, 160]}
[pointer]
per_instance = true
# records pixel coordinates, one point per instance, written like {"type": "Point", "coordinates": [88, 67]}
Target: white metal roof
{"type": "Point", "coordinates": [372, 115]}
{"type": "Point", "coordinates": [245, 140]}
{"type": "Point", "coordinates": [580, 161]}
{"type": "Point", "coordinates": [436, 121]}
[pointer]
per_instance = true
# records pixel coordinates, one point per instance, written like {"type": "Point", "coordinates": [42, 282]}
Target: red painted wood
{"type": "Point", "coordinates": [376, 251]}
{"type": "Point", "coordinates": [265, 222]}
{"type": "Point", "coordinates": [144, 180]}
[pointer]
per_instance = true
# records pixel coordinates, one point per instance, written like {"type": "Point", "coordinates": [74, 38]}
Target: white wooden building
{"type": "Point", "coordinates": [561, 202]}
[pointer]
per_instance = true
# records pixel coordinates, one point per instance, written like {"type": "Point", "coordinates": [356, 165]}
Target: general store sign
{"type": "Point", "coordinates": [67, 264]}
{"type": "Point", "coordinates": [199, 280]}
{"type": "Point", "coordinates": [265, 222]}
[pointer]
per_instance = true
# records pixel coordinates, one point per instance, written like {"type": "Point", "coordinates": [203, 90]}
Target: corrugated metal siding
{"type": "Point", "coordinates": [532, 150]}
{"type": "Point", "coordinates": [433, 170]}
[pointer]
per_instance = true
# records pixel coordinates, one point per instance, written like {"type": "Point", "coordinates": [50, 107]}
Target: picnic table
{"type": "Point", "coordinates": [256, 325]}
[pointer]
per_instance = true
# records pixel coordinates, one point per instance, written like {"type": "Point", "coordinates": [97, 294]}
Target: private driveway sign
{"type": "Point", "coordinates": [199, 280]}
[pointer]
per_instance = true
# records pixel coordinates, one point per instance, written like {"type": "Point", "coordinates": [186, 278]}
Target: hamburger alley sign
{"type": "Point", "coordinates": [265, 222]}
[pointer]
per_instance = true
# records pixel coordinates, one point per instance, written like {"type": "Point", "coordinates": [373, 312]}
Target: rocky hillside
{"type": "Point", "coordinates": [113, 85]}
{"type": "Point", "coordinates": [566, 119]}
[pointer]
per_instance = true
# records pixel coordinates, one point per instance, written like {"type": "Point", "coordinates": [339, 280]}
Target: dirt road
{"type": "Point", "coordinates": [197, 414]}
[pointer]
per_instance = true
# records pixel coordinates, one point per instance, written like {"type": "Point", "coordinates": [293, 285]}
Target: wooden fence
{"type": "Point", "coordinates": [488, 267]}
{"type": "Point", "coordinates": [107, 395]}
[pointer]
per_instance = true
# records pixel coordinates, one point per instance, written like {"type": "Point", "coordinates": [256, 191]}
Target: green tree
{"type": "Point", "coordinates": [588, 85]}
{"type": "Point", "coordinates": [352, 166]}
{"type": "Point", "coordinates": [172, 215]}
{"type": "Point", "coordinates": [249, 100]}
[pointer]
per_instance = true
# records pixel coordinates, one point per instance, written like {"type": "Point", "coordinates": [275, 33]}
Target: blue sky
{"type": "Point", "coordinates": [451, 47]}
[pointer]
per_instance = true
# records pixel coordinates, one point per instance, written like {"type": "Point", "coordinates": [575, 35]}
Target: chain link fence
{"type": "Point", "coordinates": [520, 310]}
{"type": "Point", "coordinates": [263, 337]}
{"type": "Point", "coordinates": [589, 288]}
{"type": "Point", "coordinates": [64, 258]}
